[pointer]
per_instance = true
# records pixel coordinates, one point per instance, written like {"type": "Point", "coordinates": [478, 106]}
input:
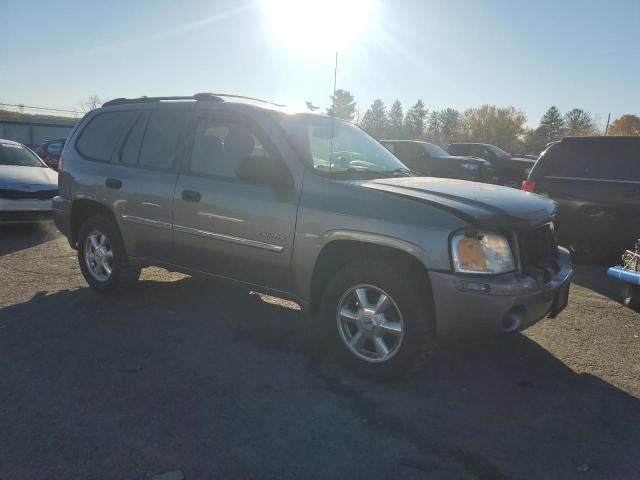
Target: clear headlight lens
{"type": "Point", "coordinates": [481, 252]}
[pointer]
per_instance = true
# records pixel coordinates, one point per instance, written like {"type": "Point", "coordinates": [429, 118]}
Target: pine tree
{"type": "Point", "coordinates": [343, 105]}
{"type": "Point", "coordinates": [414, 120]}
{"type": "Point", "coordinates": [395, 121]}
{"type": "Point", "coordinates": [551, 125]}
{"type": "Point", "coordinates": [375, 120]}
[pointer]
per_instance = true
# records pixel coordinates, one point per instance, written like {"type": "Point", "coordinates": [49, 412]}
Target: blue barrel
{"type": "Point", "coordinates": [624, 275]}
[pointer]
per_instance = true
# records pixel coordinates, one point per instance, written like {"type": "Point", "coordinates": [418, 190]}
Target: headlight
{"type": "Point", "coordinates": [469, 166]}
{"type": "Point", "coordinates": [481, 252]}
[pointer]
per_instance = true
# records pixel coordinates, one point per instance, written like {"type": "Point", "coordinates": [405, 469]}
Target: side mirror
{"type": "Point", "coordinates": [265, 171]}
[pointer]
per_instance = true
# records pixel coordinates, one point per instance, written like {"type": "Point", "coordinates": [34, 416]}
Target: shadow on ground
{"type": "Point", "coordinates": [595, 278]}
{"type": "Point", "coordinates": [22, 236]}
{"type": "Point", "coordinates": [208, 379]}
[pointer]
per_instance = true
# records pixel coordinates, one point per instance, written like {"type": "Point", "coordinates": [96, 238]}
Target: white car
{"type": "Point", "coordinates": [27, 185]}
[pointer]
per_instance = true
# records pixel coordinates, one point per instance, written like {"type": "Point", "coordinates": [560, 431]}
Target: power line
{"type": "Point", "coordinates": [38, 108]}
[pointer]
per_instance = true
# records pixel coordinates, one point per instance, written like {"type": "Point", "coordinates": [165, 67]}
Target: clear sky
{"type": "Point", "coordinates": [529, 54]}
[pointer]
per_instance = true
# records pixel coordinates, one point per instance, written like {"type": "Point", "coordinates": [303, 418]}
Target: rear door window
{"type": "Point", "coordinates": [131, 148]}
{"type": "Point", "coordinates": [166, 138]}
{"type": "Point", "coordinates": [222, 144]}
{"type": "Point", "coordinates": [100, 138]}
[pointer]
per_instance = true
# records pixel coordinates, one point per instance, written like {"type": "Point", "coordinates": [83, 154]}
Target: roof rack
{"type": "Point", "coordinates": [199, 97]}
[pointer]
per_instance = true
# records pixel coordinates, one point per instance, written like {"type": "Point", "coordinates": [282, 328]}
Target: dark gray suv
{"type": "Point", "coordinates": [311, 208]}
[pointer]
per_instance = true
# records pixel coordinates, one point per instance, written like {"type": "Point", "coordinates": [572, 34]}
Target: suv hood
{"type": "Point", "coordinates": [477, 203]}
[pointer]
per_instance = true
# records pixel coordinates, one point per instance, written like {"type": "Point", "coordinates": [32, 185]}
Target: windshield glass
{"type": "Point", "coordinates": [435, 150]}
{"type": "Point", "coordinates": [17, 155]}
{"type": "Point", "coordinates": [498, 151]}
{"type": "Point", "coordinates": [335, 146]}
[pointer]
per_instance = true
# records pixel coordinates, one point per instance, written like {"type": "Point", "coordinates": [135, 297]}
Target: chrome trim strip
{"type": "Point", "coordinates": [228, 238]}
{"type": "Point", "coordinates": [146, 221]}
{"type": "Point", "coordinates": [600, 180]}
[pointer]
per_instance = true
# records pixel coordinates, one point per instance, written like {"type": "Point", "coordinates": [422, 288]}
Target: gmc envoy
{"type": "Point", "coordinates": [310, 208]}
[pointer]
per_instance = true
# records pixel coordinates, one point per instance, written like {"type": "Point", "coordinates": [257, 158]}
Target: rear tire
{"type": "Point", "coordinates": [379, 338]}
{"type": "Point", "coordinates": [102, 256]}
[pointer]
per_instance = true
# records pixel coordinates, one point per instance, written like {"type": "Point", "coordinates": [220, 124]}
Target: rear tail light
{"type": "Point", "coordinates": [528, 186]}
{"type": "Point", "coordinates": [60, 163]}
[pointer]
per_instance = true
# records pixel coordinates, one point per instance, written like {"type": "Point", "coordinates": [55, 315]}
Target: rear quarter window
{"type": "Point", "coordinates": [100, 138]}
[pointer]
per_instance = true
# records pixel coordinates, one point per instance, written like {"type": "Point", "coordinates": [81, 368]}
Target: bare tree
{"type": "Point", "coordinates": [91, 103]}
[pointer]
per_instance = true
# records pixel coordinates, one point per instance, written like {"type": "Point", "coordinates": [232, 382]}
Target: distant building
{"type": "Point", "coordinates": [32, 130]}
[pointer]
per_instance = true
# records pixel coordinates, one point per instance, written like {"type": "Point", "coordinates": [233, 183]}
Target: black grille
{"type": "Point", "coordinates": [538, 245]}
{"type": "Point", "coordinates": [22, 194]}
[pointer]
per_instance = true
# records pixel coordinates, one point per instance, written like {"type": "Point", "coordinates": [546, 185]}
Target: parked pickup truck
{"type": "Point", "coordinates": [509, 169]}
{"type": "Point", "coordinates": [430, 160]}
{"type": "Point", "coordinates": [311, 208]}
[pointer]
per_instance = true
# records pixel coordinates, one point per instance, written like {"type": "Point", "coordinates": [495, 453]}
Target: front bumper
{"type": "Point", "coordinates": [24, 210]}
{"type": "Point", "coordinates": [470, 304]}
{"type": "Point", "coordinates": [62, 216]}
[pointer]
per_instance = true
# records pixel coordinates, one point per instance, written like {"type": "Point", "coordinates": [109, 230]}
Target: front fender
{"type": "Point", "coordinates": [308, 251]}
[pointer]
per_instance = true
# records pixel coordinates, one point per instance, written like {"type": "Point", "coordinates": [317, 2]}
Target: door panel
{"type": "Point", "coordinates": [143, 178]}
{"type": "Point", "coordinates": [226, 226]}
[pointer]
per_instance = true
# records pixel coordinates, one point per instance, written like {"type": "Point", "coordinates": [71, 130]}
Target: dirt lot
{"type": "Point", "coordinates": [187, 374]}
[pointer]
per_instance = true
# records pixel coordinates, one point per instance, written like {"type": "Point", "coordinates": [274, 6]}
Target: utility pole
{"type": "Point", "coordinates": [607, 127]}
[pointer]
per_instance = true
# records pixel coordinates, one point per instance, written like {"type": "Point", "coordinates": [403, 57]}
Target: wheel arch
{"type": "Point", "coordinates": [82, 209]}
{"type": "Point", "coordinates": [346, 248]}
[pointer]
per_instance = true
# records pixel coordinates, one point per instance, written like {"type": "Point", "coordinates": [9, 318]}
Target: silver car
{"type": "Point", "coordinates": [311, 208]}
{"type": "Point", "coordinates": [27, 185]}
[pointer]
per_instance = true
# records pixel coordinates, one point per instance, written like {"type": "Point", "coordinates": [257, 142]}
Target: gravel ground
{"type": "Point", "coordinates": [186, 374]}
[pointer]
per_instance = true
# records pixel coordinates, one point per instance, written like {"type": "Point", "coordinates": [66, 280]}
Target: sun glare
{"type": "Point", "coordinates": [312, 26]}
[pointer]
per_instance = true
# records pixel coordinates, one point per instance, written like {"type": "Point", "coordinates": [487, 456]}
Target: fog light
{"type": "Point", "coordinates": [476, 286]}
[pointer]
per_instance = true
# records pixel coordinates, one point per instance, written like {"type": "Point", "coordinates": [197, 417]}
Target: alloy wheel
{"type": "Point", "coordinates": [98, 255]}
{"type": "Point", "coordinates": [370, 323]}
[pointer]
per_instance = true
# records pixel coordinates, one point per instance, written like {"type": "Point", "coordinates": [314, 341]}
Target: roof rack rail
{"type": "Point", "coordinates": [200, 97]}
{"type": "Point", "coordinates": [197, 96]}
{"type": "Point", "coordinates": [243, 97]}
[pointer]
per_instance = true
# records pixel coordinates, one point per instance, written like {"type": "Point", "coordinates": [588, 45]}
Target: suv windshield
{"type": "Point", "coordinates": [334, 146]}
{"type": "Point", "coordinates": [17, 155]}
{"type": "Point", "coordinates": [435, 150]}
{"type": "Point", "coordinates": [498, 151]}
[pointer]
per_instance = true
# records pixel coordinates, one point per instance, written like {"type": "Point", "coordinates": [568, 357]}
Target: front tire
{"type": "Point", "coordinates": [379, 320]}
{"type": "Point", "coordinates": [102, 256]}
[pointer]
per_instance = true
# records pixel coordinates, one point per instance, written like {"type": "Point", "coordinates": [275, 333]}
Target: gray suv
{"type": "Point", "coordinates": [310, 208]}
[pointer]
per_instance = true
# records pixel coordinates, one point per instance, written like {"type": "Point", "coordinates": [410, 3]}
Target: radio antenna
{"type": "Point", "coordinates": [333, 108]}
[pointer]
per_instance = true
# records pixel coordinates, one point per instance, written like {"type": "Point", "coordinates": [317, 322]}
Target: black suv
{"type": "Point", "coordinates": [510, 170]}
{"type": "Point", "coordinates": [430, 160]}
{"type": "Point", "coordinates": [596, 182]}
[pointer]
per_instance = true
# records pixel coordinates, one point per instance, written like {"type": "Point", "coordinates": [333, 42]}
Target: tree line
{"type": "Point", "coordinates": [501, 126]}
